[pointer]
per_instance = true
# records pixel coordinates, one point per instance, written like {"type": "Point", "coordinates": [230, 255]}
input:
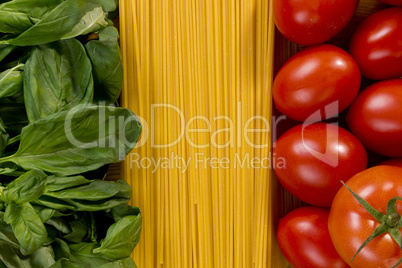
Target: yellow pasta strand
{"type": "Point", "coordinates": [199, 75]}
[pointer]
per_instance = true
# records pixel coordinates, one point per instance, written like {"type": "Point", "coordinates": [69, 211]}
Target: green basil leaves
{"type": "Point", "coordinates": [61, 75]}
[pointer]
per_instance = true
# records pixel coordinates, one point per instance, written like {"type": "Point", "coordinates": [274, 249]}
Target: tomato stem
{"type": "Point", "coordinates": [393, 219]}
{"type": "Point", "coordinates": [390, 223]}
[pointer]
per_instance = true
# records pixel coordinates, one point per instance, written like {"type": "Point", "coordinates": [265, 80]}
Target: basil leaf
{"type": "Point", "coordinates": [66, 263]}
{"type": "Point", "coordinates": [79, 198]}
{"type": "Point", "coordinates": [88, 262]}
{"type": "Point", "coordinates": [7, 235]}
{"type": "Point", "coordinates": [18, 15]}
{"type": "Point", "coordinates": [13, 22]}
{"type": "Point", "coordinates": [124, 210]}
{"type": "Point", "coordinates": [58, 77]}
{"type": "Point", "coordinates": [61, 249]}
{"type": "Point", "coordinates": [69, 19]}
{"type": "Point", "coordinates": [7, 171]}
{"type": "Point", "coordinates": [84, 251]}
{"type": "Point", "coordinates": [81, 205]}
{"type": "Point", "coordinates": [92, 21]}
{"type": "Point", "coordinates": [55, 183]}
{"type": "Point", "coordinates": [95, 191]}
{"type": "Point", "coordinates": [109, 5]}
{"type": "Point", "coordinates": [10, 256]}
{"type": "Point", "coordinates": [43, 257]}
{"type": "Point", "coordinates": [44, 213]}
{"type": "Point", "coordinates": [121, 238]}
{"type": "Point", "coordinates": [11, 81]}
{"type": "Point", "coordinates": [3, 137]}
{"type": "Point", "coordinates": [93, 228]}
{"type": "Point", "coordinates": [107, 66]}
{"type": "Point", "coordinates": [81, 255]}
{"type": "Point", "coordinates": [5, 50]}
{"type": "Point", "coordinates": [126, 262]}
{"type": "Point", "coordinates": [35, 9]}
{"type": "Point", "coordinates": [80, 228]}
{"type": "Point", "coordinates": [26, 188]}
{"type": "Point", "coordinates": [60, 225]}
{"type": "Point", "coordinates": [54, 203]}
{"type": "Point", "coordinates": [27, 227]}
{"type": "Point", "coordinates": [73, 142]}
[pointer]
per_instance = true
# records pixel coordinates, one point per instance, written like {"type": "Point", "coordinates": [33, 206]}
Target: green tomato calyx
{"type": "Point", "coordinates": [393, 219]}
{"type": "Point", "coordinates": [389, 223]}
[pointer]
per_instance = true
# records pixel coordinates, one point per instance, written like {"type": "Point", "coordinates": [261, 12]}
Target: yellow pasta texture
{"type": "Point", "coordinates": [198, 73]}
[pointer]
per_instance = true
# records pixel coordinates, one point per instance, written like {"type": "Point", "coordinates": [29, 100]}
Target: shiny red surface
{"type": "Point", "coordinates": [304, 239]}
{"type": "Point", "coordinates": [311, 22]}
{"type": "Point", "coordinates": [350, 224]}
{"type": "Point", "coordinates": [317, 158]}
{"type": "Point", "coordinates": [313, 78]}
{"type": "Point", "coordinates": [377, 45]}
{"type": "Point", "coordinates": [375, 117]}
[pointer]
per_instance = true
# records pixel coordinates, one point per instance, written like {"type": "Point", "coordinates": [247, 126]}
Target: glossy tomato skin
{"type": "Point", "coordinates": [350, 224]}
{"type": "Point", "coordinates": [392, 2]}
{"type": "Point", "coordinates": [317, 158]}
{"type": "Point", "coordinates": [376, 45]}
{"type": "Point", "coordinates": [375, 117]}
{"type": "Point", "coordinates": [314, 78]}
{"type": "Point", "coordinates": [311, 22]}
{"type": "Point", "coordinates": [304, 240]}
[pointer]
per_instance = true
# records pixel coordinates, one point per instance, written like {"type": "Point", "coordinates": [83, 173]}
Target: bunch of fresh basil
{"type": "Point", "coordinates": [60, 78]}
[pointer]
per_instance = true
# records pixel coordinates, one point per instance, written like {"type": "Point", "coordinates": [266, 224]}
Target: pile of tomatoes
{"type": "Point", "coordinates": [361, 88]}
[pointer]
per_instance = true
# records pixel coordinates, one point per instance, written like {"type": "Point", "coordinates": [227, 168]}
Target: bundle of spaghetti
{"type": "Point", "coordinates": [198, 73]}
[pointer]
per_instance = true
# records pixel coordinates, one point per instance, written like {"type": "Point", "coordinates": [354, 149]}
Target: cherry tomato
{"type": "Point", "coordinates": [350, 224]}
{"type": "Point", "coordinates": [376, 45]}
{"type": "Point", "coordinates": [314, 78]}
{"type": "Point", "coordinates": [392, 2]}
{"type": "Point", "coordinates": [317, 157]}
{"type": "Point", "coordinates": [375, 117]}
{"type": "Point", "coordinates": [396, 162]}
{"type": "Point", "coordinates": [311, 22]}
{"type": "Point", "coordinates": [304, 240]}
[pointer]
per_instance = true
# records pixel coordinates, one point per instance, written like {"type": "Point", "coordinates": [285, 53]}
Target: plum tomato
{"type": "Point", "coordinates": [314, 78]}
{"type": "Point", "coordinates": [392, 2]}
{"type": "Point", "coordinates": [376, 45]}
{"type": "Point", "coordinates": [375, 117]}
{"type": "Point", "coordinates": [316, 158]}
{"type": "Point", "coordinates": [396, 162]}
{"type": "Point", "coordinates": [311, 22]}
{"type": "Point", "coordinates": [304, 240]}
{"type": "Point", "coordinates": [351, 222]}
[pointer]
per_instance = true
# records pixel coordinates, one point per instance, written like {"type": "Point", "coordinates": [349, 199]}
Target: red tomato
{"type": "Point", "coordinates": [375, 117]}
{"type": "Point", "coordinates": [314, 78]}
{"type": "Point", "coordinates": [317, 157]}
{"type": "Point", "coordinates": [377, 45]}
{"type": "Point", "coordinates": [311, 22]}
{"type": "Point", "coordinates": [350, 224]}
{"type": "Point", "coordinates": [392, 2]}
{"type": "Point", "coordinates": [396, 162]}
{"type": "Point", "coordinates": [304, 239]}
